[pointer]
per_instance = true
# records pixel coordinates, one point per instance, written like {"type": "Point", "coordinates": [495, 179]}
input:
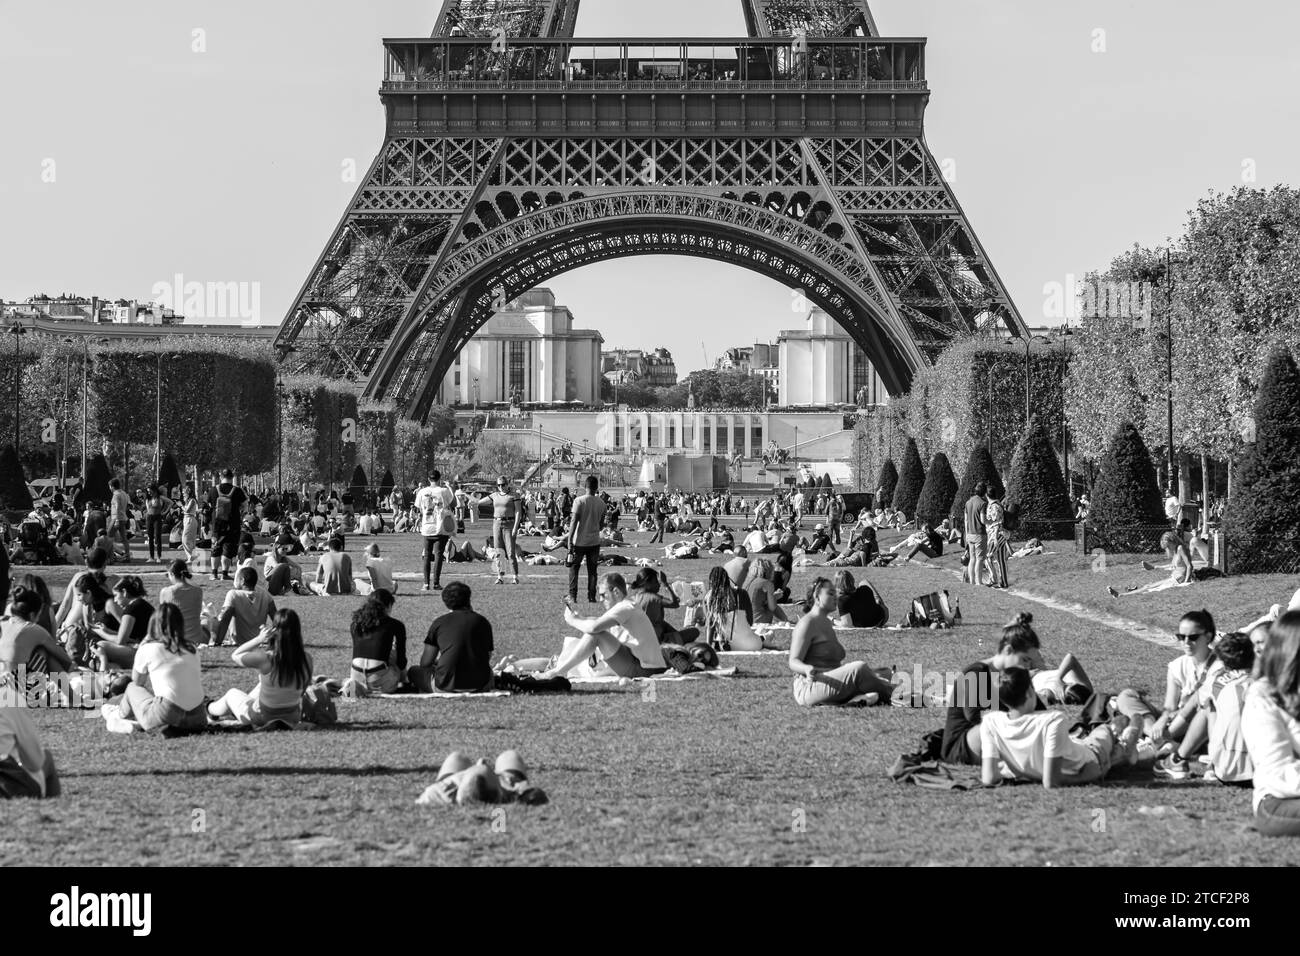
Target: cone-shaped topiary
{"type": "Point", "coordinates": [1036, 487]}
{"type": "Point", "coordinates": [359, 487]}
{"type": "Point", "coordinates": [1262, 522]}
{"type": "Point", "coordinates": [169, 476]}
{"type": "Point", "coordinates": [387, 484]}
{"type": "Point", "coordinates": [1126, 494]}
{"type": "Point", "coordinates": [938, 493]}
{"type": "Point", "coordinates": [887, 483]}
{"type": "Point", "coordinates": [14, 493]}
{"type": "Point", "coordinates": [96, 486]}
{"type": "Point", "coordinates": [911, 479]}
{"type": "Point", "coordinates": [979, 468]}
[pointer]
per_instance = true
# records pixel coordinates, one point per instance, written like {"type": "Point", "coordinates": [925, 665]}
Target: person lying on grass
{"type": "Point", "coordinates": [457, 649]}
{"type": "Point", "coordinates": [378, 644]}
{"type": "Point", "coordinates": [247, 605]}
{"type": "Point", "coordinates": [1270, 724]}
{"type": "Point", "coordinates": [1025, 743]}
{"type": "Point", "coordinates": [125, 624]}
{"type": "Point", "coordinates": [168, 662]}
{"type": "Point", "coordinates": [283, 672]}
{"type": "Point", "coordinates": [974, 693]}
{"type": "Point", "coordinates": [817, 658]}
{"type": "Point", "coordinates": [623, 636]}
{"type": "Point", "coordinates": [1066, 685]}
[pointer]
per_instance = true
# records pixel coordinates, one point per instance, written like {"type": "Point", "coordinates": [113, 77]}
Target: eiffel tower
{"type": "Point", "coordinates": [515, 152]}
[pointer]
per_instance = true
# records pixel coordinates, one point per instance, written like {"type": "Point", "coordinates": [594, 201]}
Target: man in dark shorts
{"type": "Point", "coordinates": [226, 502]}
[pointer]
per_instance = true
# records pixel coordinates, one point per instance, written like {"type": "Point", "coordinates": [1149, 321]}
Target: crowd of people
{"type": "Point", "coordinates": [1232, 701]}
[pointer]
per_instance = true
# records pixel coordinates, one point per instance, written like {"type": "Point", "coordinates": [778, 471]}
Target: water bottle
{"type": "Point", "coordinates": [956, 616]}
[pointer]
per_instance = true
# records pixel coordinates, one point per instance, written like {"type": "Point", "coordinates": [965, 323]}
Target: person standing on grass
{"type": "Point", "coordinates": [168, 662]}
{"type": "Point", "coordinates": [997, 542]}
{"type": "Point", "coordinates": [623, 635]}
{"type": "Point", "coordinates": [457, 656]}
{"type": "Point", "coordinates": [283, 673]}
{"type": "Point", "coordinates": [119, 517]}
{"type": "Point", "coordinates": [584, 539]}
{"type": "Point", "coordinates": [507, 515]}
{"type": "Point", "coordinates": [156, 506]}
{"type": "Point", "coordinates": [976, 526]}
{"type": "Point", "coordinates": [247, 606]}
{"type": "Point", "coordinates": [436, 506]}
{"type": "Point", "coordinates": [1027, 743]}
{"type": "Point", "coordinates": [189, 521]}
{"type": "Point", "coordinates": [227, 503]}
{"type": "Point", "coordinates": [817, 658]}
{"type": "Point", "coordinates": [1270, 724]}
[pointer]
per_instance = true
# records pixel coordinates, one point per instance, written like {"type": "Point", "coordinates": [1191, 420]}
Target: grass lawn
{"type": "Point", "coordinates": [722, 772]}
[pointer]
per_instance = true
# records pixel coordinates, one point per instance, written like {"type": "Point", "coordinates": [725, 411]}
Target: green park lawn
{"type": "Point", "coordinates": [705, 772]}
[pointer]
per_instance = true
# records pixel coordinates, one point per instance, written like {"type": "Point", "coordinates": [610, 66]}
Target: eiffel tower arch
{"type": "Point", "coordinates": [515, 152]}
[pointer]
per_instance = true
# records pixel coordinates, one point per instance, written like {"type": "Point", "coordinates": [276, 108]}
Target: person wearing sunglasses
{"type": "Point", "coordinates": [623, 635]}
{"type": "Point", "coordinates": [507, 515]}
{"type": "Point", "coordinates": [1189, 684]}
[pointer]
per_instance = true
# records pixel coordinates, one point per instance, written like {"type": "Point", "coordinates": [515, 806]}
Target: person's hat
{"type": "Point", "coordinates": [819, 527]}
{"type": "Point", "coordinates": [478, 784]}
{"type": "Point", "coordinates": [737, 569]}
{"type": "Point", "coordinates": [511, 762]}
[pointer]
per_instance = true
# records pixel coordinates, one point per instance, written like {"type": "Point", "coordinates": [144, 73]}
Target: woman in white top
{"type": "Point", "coordinates": [168, 660]}
{"type": "Point", "coordinates": [284, 672]}
{"type": "Point", "coordinates": [189, 522]}
{"type": "Point", "coordinates": [187, 597]}
{"type": "Point", "coordinates": [1270, 723]}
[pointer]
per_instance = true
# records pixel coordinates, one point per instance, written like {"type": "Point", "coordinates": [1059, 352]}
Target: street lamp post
{"type": "Point", "coordinates": [17, 330]}
{"type": "Point", "coordinates": [279, 430]}
{"type": "Point", "coordinates": [1169, 366]}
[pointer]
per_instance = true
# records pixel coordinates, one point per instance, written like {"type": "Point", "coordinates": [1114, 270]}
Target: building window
{"type": "Point", "coordinates": [861, 374]}
{"type": "Point", "coordinates": [516, 380]}
{"type": "Point", "coordinates": [618, 434]}
{"type": "Point", "coordinates": [724, 438]}
{"type": "Point", "coordinates": [688, 433]}
{"type": "Point", "coordinates": [756, 436]}
{"type": "Point", "coordinates": [707, 434]}
{"type": "Point", "coordinates": [672, 435]}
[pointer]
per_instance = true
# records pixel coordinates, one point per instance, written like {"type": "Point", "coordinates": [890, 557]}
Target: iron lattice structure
{"type": "Point", "coordinates": [797, 152]}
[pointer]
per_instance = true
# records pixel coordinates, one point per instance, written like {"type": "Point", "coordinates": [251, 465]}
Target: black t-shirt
{"type": "Point", "coordinates": [380, 644]}
{"type": "Point", "coordinates": [936, 542]}
{"type": "Point", "coordinates": [140, 611]}
{"type": "Point", "coordinates": [861, 606]}
{"type": "Point", "coordinates": [464, 642]}
{"type": "Point", "coordinates": [973, 694]}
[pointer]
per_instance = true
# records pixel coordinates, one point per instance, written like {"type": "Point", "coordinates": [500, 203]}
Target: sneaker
{"type": "Point", "coordinates": [424, 587]}
{"type": "Point", "coordinates": [516, 579]}
{"type": "Point", "coordinates": [1148, 566]}
{"type": "Point", "coordinates": [1112, 592]}
{"type": "Point", "coordinates": [500, 579]}
{"type": "Point", "coordinates": [1171, 768]}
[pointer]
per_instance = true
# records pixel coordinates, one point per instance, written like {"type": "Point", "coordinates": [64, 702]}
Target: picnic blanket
{"type": "Point", "coordinates": [441, 695]}
{"type": "Point", "coordinates": [670, 676]}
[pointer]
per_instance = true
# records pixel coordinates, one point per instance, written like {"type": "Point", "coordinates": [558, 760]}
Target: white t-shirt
{"type": "Point", "coordinates": [1273, 741]}
{"type": "Point", "coordinates": [119, 506]}
{"type": "Point", "coordinates": [1184, 673]}
{"type": "Point", "coordinates": [174, 677]}
{"type": "Point", "coordinates": [755, 542]}
{"type": "Point", "coordinates": [381, 572]}
{"type": "Point", "coordinates": [1173, 507]}
{"type": "Point", "coordinates": [432, 502]}
{"type": "Point", "coordinates": [1024, 743]}
{"type": "Point", "coordinates": [635, 632]}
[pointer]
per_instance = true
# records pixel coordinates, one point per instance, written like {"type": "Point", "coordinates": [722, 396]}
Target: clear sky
{"type": "Point", "coordinates": [225, 165]}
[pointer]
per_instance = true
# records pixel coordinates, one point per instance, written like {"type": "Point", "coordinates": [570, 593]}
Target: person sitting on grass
{"type": "Point", "coordinates": [1025, 743]}
{"type": "Point", "coordinates": [1189, 683]}
{"type": "Point", "coordinates": [168, 662]}
{"type": "Point", "coordinates": [26, 644]}
{"type": "Point", "coordinates": [283, 575]}
{"type": "Point", "coordinates": [863, 549]}
{"type": "Point", "coordinates": [36, 585]}
{"type": "Point", "coordinates": [284, 671]}
{"type": "Point", "coordinates": [1229, 756]}
{"type": "Point", "coordinates": [726, 621]}
{"type": "Point", "coordinates": [26, 768]}
{"type": "Point", "coordinates": [457, 650]}
{"type": "Point", "coordinates": [1065, 685]}
{"type": "Point", "coordinates": [125, 624]}
{"type": "Point", "coordinates": [651, 593]}
{"type": "Point", "coordinates": [1270, 724]}
{"type": "Point", "coordinates": [187, 597]}
{"type": "Point", "coordinates": [379, 573]}
{"type": "Point", "coordinates": [96, 561]}
{"type": "Point", "coordinates": [763, 607]}
{"type": "Point", "coordinates": [334, 571]}
{"type": "Point", "coordinates": [817, 658]}
{"type": "Point", "coordinates": [248, 606]}
{"type": "Point", "coordinates": [927, 541]}
{"type": "Point", "coordinates": [974, 692]}
{"type": "Point", "coordinates": [623, 636]}
{"type": "Point", "coordinates": [858, 605]}
{"type": "Point", "coordinates": [378, 645]}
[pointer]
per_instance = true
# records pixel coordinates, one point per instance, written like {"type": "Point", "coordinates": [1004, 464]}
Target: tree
{"type": "Point", "coordinates": [497, 456]}
{"type": "Point", "coordinates": [979, 468]}
{"type": "Point", "coordinates": [725, 389]}
{"type": "Point", "coordinates": [441, 423]}
{"type": "Point", "coordinates": [14, 493]}
{"type": "Point", "coordinates": [887, 484]}
{"type": "Point", "coordinates": [359, 487]}
{"type": "Point", "coordinates": [1262, 522]}
{"type": "Point", "coordinates": [1036, 487]}
{"type": "Point", "coordinates": [911, 479]}
{"type": "Point", "coordinates": [386, 485]}
{"type": "Point", "coordinates": [938, 492]}
{"type": "Point", "coordinates": [169, 476]}
{"type": "Point", "coordinates": [1125, 494]}
{"type": "Point", "coordinates": [96, 487]}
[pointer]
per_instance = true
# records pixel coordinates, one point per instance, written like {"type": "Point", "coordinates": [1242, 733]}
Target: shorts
{"type": "Point", "coordinates": [625, 664]}
{"type": "Point", "coordinates": [252, 712]}
{"type": "Point", "coordinates": [161, 712]}
{"type": "Point", "coordinates": [226, 541]}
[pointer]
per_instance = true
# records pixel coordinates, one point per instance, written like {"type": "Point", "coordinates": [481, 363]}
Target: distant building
{"type": "Point", "coordinates": [625, 366]}
{"type": "Point", "coordinates": [821, 365]}
{"type": "Point", "coordinates": [74, 308]}
{"type": "Point", "coordinates": [761, 359]}
{"type": "Point", "coordinates": [528, 352]}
